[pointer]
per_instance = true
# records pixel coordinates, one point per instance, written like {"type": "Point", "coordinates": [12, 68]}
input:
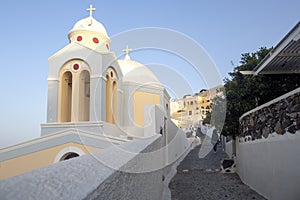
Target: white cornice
{"type": "Point", "coordinates": [66, 132]}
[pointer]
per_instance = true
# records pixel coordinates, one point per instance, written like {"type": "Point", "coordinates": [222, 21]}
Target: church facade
{"type": "Point", "coordinates": [94, 101]}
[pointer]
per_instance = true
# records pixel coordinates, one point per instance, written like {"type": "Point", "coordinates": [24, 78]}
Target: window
{"type": "Point", "coordinates": [190, 112]}
{"type": "Point", "coordinates": [69, 156]}
{"type": "Point", "coordinates": [95, 40]}
{"type": "Point", "coordinates": [192, 103]}
{"type": "Point", "coordinates": [111, 96]}
{"type": "Point", "coordinates": [79, 38]}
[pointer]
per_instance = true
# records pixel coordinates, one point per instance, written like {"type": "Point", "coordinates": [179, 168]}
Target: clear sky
{"type": "Point", "coordinates": [34, 30]}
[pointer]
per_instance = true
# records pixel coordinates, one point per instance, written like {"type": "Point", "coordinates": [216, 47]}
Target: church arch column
{"type": "Point", "coordinates": [65, 104]}
{"type": "Point", "coordinates": [84, 96]}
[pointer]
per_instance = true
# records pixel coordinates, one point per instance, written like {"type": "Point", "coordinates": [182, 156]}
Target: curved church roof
{"type": "Point", "coordinates": [89, 24]}
{"type": "Point", "coordinates": [90, 33]}
{"type": "Point", "coordinates": [137, 73]}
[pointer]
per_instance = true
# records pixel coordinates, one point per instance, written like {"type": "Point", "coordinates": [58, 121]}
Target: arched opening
{"type": "Point", "coordinates": [114, 102]}
{"type": "Point", "coordinates": [108, 99]}
{"type": "Point", "coordinates": [84, 96]}
{"type": "Point", "coordinates": [111, 96]}
{"type": "Point", "coordinates": [66, 97]}
{"type": "Point", "coordinates": [68, 156]}
{"type": "Point", "coordinates": [67, 153]}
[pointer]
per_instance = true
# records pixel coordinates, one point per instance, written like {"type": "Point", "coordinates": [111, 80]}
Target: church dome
{"type": "Point", "coordinates": [90, 33]}
{"type": "Point", "coordinates": [137, 73]}
{"type": "Point", "coordinates": [89, 24]}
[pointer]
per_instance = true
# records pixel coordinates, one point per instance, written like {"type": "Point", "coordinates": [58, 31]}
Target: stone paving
{"type": "Point", "coordinates": [200, 179]}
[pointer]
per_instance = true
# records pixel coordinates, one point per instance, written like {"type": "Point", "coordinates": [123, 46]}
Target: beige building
{"type": "Point", "coordinates": [192, 109]}
{"type": "Point", "coordinates": [94, 101]}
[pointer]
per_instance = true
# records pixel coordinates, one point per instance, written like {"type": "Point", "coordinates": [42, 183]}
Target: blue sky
{"type": "Point", "coordinates": [34, 30]}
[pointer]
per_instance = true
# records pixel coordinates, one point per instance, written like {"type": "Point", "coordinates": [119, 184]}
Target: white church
{"type": "Point", "coordinates": [94, 101]}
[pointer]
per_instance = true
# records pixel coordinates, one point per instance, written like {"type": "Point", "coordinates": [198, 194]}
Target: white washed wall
{"type": "Point", "coordinates": [228, 148]}
{"type": "Point", "coordinates": [153, 120]}
{"type": "Point", "coordinates": [177, 143]}
{"type": "Point", "coordinates": [271, 166]}
{"type": "Point", "coordinates": [174, 139]}
{"type": "Point", "coordinates": [112, 130]}
{"type": "Point", "coordinates": [134, 131]}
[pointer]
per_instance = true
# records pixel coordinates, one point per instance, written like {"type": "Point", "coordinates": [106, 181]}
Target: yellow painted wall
{"type": "Point", "coordinates": [140, 100]}
{"type": "Point", "coordinates": [26, 163]}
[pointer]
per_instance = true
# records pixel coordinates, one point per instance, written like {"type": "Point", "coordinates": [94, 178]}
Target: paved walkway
{"type": "Point", "coordinates": [199, 179]}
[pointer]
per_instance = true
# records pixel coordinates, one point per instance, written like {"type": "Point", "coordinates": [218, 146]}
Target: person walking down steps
{"type": "Point", "coordinates": [214, 140]}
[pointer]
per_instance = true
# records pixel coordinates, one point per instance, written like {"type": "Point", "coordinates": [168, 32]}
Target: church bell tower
{"type": "Point", "coordinates": [80, 78]}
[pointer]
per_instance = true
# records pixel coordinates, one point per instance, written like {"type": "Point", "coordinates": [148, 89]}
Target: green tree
{"type": "Point", "coordinates": [217, 116]}
{"type": "Point", "coordinates": [245, 92]}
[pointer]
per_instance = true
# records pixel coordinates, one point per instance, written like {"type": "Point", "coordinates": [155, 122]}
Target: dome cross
{"type": "Point", "coordinates": [91, 9]}
{"type": "Point", "coordinates": [127, 51]}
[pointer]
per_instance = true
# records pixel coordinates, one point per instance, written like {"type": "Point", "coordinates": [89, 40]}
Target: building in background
{"type": "Point", "coordinates": [192, 109]}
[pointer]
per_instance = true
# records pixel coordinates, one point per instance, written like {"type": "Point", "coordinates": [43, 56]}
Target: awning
{"type": "Point", "coordinates": [284, 58]}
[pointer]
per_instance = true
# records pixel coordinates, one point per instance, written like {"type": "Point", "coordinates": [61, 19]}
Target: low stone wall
{"type": "Point", "coordinates": [267, 151]}
{"type": "Point", "coordinates": [280, 115]}
{"type": "Point", "coordinates": [126, 171]}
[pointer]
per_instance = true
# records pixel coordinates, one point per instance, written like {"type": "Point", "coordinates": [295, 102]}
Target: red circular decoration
{"type": "Point", "coordinates": [76, 67]}
{"type": "Point", "coordinates": [95, 40]}
{"type": "Point", "coordinates": [79, 38]}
